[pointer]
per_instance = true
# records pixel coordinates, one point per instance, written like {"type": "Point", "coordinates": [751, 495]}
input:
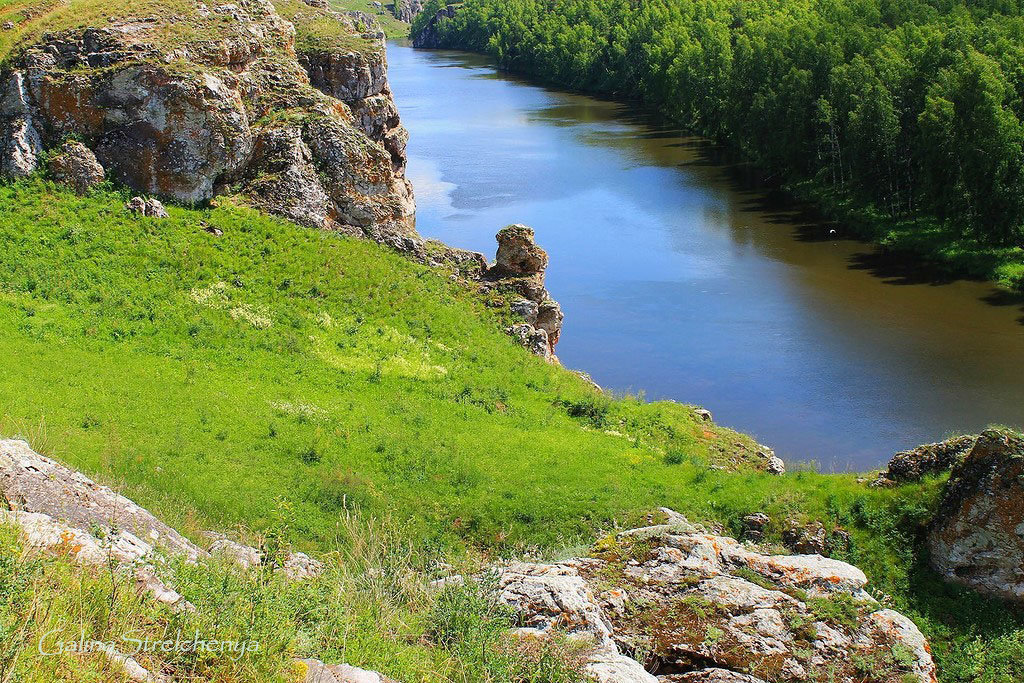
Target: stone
{"type": "Point", "coordinates": [8, 26]}
{"type": "Point", "coordinates": [318, 672]}
{"type": "Point", "coordinates": [146, 207]}
{"type": "Point", "coordinates": [428, 36]}
{"type": "Point", "coordinates": [700, 608]}
{"type": "Point", "coordinates": [300, 567]}
{"type": "Point", "coordinates": [407, 10]}
{"type": "Point", "coordinates": [32, 483]}
{"type": "Point", "coordinates": [525, 309]}
{"type": "Point", "coordinates": [775, 465]}
{"type": "Point", "coordinates": [977, 535]}
{"type": "Point", "coordinates": [932, 458]}
{"type": "Point", "coordinates": [549, 319]}
{"type": "Point", "coordinates": [243, 556]}
{"type": "Point", "coordinates": [805, 538]}
{"type": "Point", "coordinates": [307, 132]}
{"type": "Point", "coordinates": [76, 166]}
{"type": "Point", "coordinates": [712, 675]}
{"type": "Point", "coordinates": [703, 414]}
{"type": "Point", "coordinates": [536, 341]}
{"type": "Point", "coordinates": [754, 526]}
{"type": "Point", "coordinates": [518, 252]}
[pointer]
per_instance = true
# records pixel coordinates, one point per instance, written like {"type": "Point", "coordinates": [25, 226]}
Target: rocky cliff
{"type": "Point", "coordinates": [285, 104]}
{"type": "Point", "coordinates": [406, 10]}
{"type": "Point", "coordinates": [428, 35]}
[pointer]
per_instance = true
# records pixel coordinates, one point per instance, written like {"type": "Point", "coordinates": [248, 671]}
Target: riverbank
{"type": "Point", "coordinates": [819, 145]}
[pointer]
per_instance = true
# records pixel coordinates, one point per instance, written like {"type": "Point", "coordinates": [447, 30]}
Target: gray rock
{"type": "Point", "coordinates": [429, 36]}
{"type": "Point", "coordinates": [688, 600]}
{"type": "Point", "coordinates": [977, 536]}
{"type": "Point", "coordinates": [32, 483]}
{"type": "Point", "coordinates": [703, 414]}
{"type": "Point", "coordinates": [76, 166]}
{"type": "Point", "coordinates": [318, 672]}
{"type": "Point", "coordinates": [526, 309]}
{"type": "Point", "coordinates": [754, 526]}
{"type": "Point", "coordinates": [146, 207]}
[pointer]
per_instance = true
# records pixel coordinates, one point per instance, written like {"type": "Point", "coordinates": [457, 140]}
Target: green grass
{"type": "Point", "coordinates": [220, 380]}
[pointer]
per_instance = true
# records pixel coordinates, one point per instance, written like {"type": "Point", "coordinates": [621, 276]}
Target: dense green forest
{"type": "Point", "coordinates": [902, 117]}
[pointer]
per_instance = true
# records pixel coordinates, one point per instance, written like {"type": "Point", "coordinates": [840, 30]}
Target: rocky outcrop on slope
{"type": "Point", "coordinates": [932, 458]}
{"type": "Point", "coordinates": [519, 267]}
{"type": "Point", "coordinates": [303, 124]}
{"type": "Point", "coordinates": [406, 10]}
{"type": "Point", "coordinates": [977, 536]}
{"type": "Point", "coordinates": [518, 272]}
{"type": "Point", "coordinates": [429, 36]}
{"type": "Point", "coordinates": [688, 605]}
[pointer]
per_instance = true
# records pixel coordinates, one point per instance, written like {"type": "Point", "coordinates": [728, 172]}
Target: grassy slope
{"type": "Point", "coordinates": [216, 380]}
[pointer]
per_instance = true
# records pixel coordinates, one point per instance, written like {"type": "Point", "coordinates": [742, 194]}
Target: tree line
{"type": "Point", "coordinates": [909, 108]}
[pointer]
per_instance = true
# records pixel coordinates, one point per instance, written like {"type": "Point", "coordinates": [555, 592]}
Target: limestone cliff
{"type": "Point", "coordinates": [285, 104]}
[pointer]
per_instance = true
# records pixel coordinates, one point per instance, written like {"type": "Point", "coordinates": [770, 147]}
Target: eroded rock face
{"type": "Point", "coordinates": [310, 133]}
{"type": "Point", "coordinates": [519, 266]}
{"type": "Point", "coordinates": [977, 536]}
{"type": "Point", "coordinates": [698, 607]}
{"type": "Point", "coordinates": [429, 37]}
{"type": "Point", "coordinates": [406, 10]}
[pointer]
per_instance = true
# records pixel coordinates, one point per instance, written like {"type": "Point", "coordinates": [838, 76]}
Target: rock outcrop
{"type": "Point", "coordinates": [519, 267]}
{"type": "Point", "coordinates": [76, 166]}
{"type": "Point", "coordinates": [294, 112]}
{"type": "Point", "coordinates": [429, 36]}
{"type": "Point", "coordinates": [977, 536]}
{"type": "Point", "coordinates": [689, 606]}
{"type": "Point", "coordinates": [932, 458]}
{"type": "Point", "coordinates": [406, 10]}
{"type": "Point", "coordinates": [318, 672]}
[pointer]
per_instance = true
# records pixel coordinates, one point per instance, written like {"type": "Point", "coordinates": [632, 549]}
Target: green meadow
{"type": "Point", "coordinates": [281, 383]}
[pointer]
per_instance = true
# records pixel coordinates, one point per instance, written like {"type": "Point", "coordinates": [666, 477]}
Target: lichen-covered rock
{"type": "Point", "coordinates": [698, 607]}
{"type": "Point", "coordinates": [977, 536]}
{"type": "Point", "coordinates": [76, 166]}
{"type": "Point", "coordinates": [932, 458]}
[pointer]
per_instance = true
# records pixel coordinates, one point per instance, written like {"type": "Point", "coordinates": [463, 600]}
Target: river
{"type": "Point", "coordinates": [681, 281]}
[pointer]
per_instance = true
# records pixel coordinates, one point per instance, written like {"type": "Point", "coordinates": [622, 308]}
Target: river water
{"type": "Point", "coordinates": [680, 280]}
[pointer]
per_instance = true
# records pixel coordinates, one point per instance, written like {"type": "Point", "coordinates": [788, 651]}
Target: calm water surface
{"type": "Point", "coordinates": [679, 281]}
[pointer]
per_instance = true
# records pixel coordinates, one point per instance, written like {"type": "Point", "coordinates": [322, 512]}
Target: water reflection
{"type": "Point", "coordinates": [681, 278]}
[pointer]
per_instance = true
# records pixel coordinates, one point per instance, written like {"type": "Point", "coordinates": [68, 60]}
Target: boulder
{"type": "Point", "coordinates": [146, 207]}
{"type": "Point", "coordinates": [76, 166]}
{"type": "Point", "coordinates": [932, 458]}
{"type": "Point", "coordinates": [518, 252]}
{"type": "Point", "coordinates": [754, 526]}
{"type": "Point", "coordinates": [977, 536]}
{"type": "Point", "coordinates": [525, 309]}
{"type": "Point", "coordinates": [697, 607]}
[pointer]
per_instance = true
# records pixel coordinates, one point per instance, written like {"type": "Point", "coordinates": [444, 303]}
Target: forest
{"type": "Point", "coordinates": [900, 117]}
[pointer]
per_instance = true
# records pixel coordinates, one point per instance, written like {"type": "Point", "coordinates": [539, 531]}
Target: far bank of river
{"type": "Point", "coordinates": [681, 282]}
